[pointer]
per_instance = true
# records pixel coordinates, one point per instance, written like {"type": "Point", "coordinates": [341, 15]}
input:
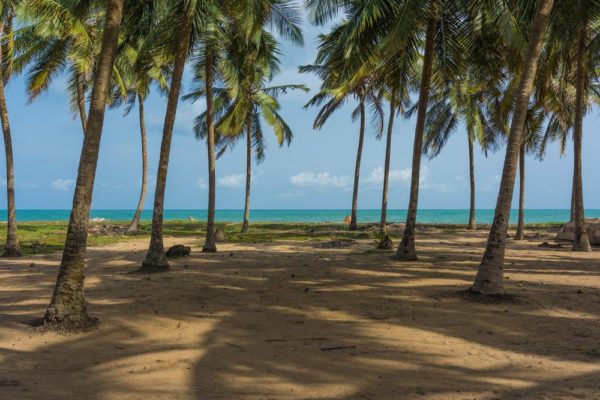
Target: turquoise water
{"type": "Point", "coordinates": [425, 216]}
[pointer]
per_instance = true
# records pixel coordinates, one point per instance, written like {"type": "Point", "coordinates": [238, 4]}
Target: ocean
{"type": "Point", "coordinates": [424, 216]}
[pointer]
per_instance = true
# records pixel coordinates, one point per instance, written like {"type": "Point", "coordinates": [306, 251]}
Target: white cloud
{"type": "Point", "coordinates": [62, 184]}
{"type": "Point", "coordinates": [320, 179]}
{"type": "Point", "coordinates": [202, 184]}
{"type": "Point", "coordinates": [396, 175]}
{"type": "Point", "coordinates": [231, 181]}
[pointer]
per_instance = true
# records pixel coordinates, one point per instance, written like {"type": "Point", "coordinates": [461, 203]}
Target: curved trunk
{"type": "Point", "coordinates": [134, 226]}
{"type": "Point", "coordinates": [490, 275]}
{"type": "Point", "coordinates": [11, 248]}
{"type": "Point", "coordinates": [210, 245]}
{"type": "Point", "coordinates": [521, 224]}
{"type": "Point", "coordinates": [156, 259]}
{"type": "Point", "coordinates": [68, 306]}
{"type": "Point", "coordinates": [406, 249]}
{"type": "Point", "coordinates": [581, 242]}
{"type": "Point", "coordinates": [472, 224]}
{"type": "Point", "coordinates": [361, 137]}
{"type": "Point", "coordinates": [81, 100]}
{"type": "Point", "coordinates": [386, 171]}
{"type": "Point", "coordinates": [248, 177]}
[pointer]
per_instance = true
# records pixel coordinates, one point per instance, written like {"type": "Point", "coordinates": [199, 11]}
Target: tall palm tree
{"type": "Point", "coordinates": [489, 279]}
{"type": "Point", "coordinates": [468, 100]}
{"type": "Point", "coordinates": [68, 307]}
{"type": "Point", "coordinates": [11, 247]}
{"type": "Point", "coordinates": [184, 15]}
{"type": "Point", "coordinates": [338, 87]}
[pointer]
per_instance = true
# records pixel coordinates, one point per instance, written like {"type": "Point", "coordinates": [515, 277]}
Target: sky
{"type": "Point", "coordinates": [314, 172]}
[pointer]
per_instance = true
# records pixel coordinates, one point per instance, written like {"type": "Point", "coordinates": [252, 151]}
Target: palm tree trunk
{"type": "Point", "coordinates": [68, 307]}
{"type": "Point", "coordinates": [81, 100]}
{"type": "Point", "coordinates": [573, 198]}
{"type": "Point", "coordinates": [156, 259]}
{"type": "Point", "coordinates": [248, 177]}
{"type": "Point", "coordinates": [361, 137]}
{"type": "Point", "coordinates": [521, 224]}
{"type": "Point", "coordinates": [386, 168]}
{"type": "Point", "coordinates": [406, 249]}
{"type": "Point", "coordinates": [581, 242]}
{"type": "Point", "coordinates": [210, 245]}
{"type": "Point", "coordinates": [490, 275]}
{"type": "Point", "coordinates": [11, 248]}
{"type": "Point", "coordinates": [472, 224]}
{"type": "Point", "coordinates": [134, 226]}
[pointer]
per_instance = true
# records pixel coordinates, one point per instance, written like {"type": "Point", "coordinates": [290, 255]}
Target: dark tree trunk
{"type": "Point", "coordinates": [572, 216]}
{"type": "Point", "coordinates": [156, 259]}
{"type": "Point", "coordinates": [490, 275]}
{"type": "Point", "coordinates": [81, 100]}
{"type": "Point", "coordinates": [361, 137]}
{"type": "Point", "coordinates": [134, 226]}
{"type": "Point", "coordinates": [582, 242]}
{"type": "Point", "coordinates": [386, 168]}
{"type": "Point", "coordinates": [210, 245]}
{"type": "Point", "coordinates": [248, 177]}
{"type": "Point", "coordinates": [472, 224]}
{"type": "Point", "coordinates": [406, 249]}
{"type": "Point", "coordinates": [68, 307]}
{"type": "Point", "coordinates": [11, 247]}
{"type": "Point", "coordinates": [521, 223]}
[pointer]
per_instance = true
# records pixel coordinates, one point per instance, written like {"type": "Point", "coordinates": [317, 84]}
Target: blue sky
{"type": "Point", "coordinates": [314, 172]}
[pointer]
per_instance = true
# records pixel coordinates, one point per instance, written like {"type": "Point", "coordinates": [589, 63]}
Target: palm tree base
{"type": "Point", "coordinates": [68, 318]}
{"type": "Point", "coordinates": [209, 248]}
{"type": "Point", "coordinates": [472, 226]}
{"type": "Point", "coordinates": [489, 280]}
{"type": "Point", "coordinates": [582, 245]}
{"type": "Point", "coordinates": [244, 228]}
{"type": "Point", "coordinates": [132, 229]}
{"type": "Point", "coordinates": [154, 263]}
{"type": "Point", "coordinates": [12, 250]}
{"type": "Point", "coordinates": [406, 253]}
{"type": "Point", "coordinates": [519, 236]}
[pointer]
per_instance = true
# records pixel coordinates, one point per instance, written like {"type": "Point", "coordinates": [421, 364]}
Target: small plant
{"type": "Point", "coordinates": [382, 240]}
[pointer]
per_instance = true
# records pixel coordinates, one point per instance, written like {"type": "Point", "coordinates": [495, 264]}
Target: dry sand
{"type": "Point", "coordinates": [292, 321]}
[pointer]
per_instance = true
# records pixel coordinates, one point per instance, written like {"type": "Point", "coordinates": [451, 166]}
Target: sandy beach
{"type": "Point", "coordinates": [298, 320]}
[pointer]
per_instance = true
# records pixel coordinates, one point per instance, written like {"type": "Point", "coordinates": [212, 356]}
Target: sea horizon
{"type": "Point", "coordinates": [450, 216]}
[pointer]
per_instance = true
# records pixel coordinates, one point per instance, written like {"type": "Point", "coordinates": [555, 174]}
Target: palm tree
{"type": "Point", "coordinates": [468, 100]}
{"type": "Point", "coordinates": [11, 248]}
{"type": "Point", "coordinates": [489, 279]}
{"type": "Point", "coordinates": [339, 86]}
{"type": "Point", "coordinates": [68, 307]}
{"type": "Point", "coordinates": [156, 260]}
{"type": "Point", "coordinates": [59, 36]}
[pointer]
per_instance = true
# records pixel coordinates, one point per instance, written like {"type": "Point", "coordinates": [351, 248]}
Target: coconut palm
{"type": "Point", "coordinates": [489, 279]}
{"type": "Point", "coordinates": [338, 87]}
{"type": "Point", "coordinates": [467, 100]}
{"type": "Point", "coordinates": [59, 36]}
{"type": "Point", "coordinates": [68, 307]}
{"type": "Point", "coordinates": [11, 247]}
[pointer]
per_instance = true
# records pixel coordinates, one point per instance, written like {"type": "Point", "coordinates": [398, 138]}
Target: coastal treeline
{"type": "Point", "coordinates": [513, 73]}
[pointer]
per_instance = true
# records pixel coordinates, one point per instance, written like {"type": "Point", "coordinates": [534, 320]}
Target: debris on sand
{"type": "Point", "coordinates": [179, 250]}
{"type": "Point", "coordinates": [337, 243]}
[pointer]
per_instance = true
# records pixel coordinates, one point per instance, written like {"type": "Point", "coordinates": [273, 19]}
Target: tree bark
{"type": "Point", "coordinates": [581, 242]}
{"type": "Point", "coordinates": [68, 307]}
{"type": "Point", "coordinates": [134, 226]}
{"type": "Point", "coordinates": [156, 260]}
{"type": "Point", "coordinates": [248, 177]}
{"type": "Point", "coordinates": [386, 168]}
{"type": "Point", "coordinates": [81, 100]}
{"type": "Point", "coordinates": [11, 247]}
{"type": "Point", "coordinates": [406, 249]}
{"type": "Point", "coordinates": [521, 223]}
{"type": "Point", "coordinates": [490, 275]}
{"type": "Point", "coordinates": [572, 216]}
{"type": "Point", "coordinates": [361, 137]}
{"type": "Point", "coordinates": [210, 245]}
{"type": "Point", "coordinates": [472, 224]}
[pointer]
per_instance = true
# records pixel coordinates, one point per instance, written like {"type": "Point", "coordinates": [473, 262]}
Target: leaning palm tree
{"type": "Point", "coordinates": [489, 279]}
{"type": "Point", "coordinates": [68, 307]}
{"type": "Point", "coordinates": [11, 247]}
